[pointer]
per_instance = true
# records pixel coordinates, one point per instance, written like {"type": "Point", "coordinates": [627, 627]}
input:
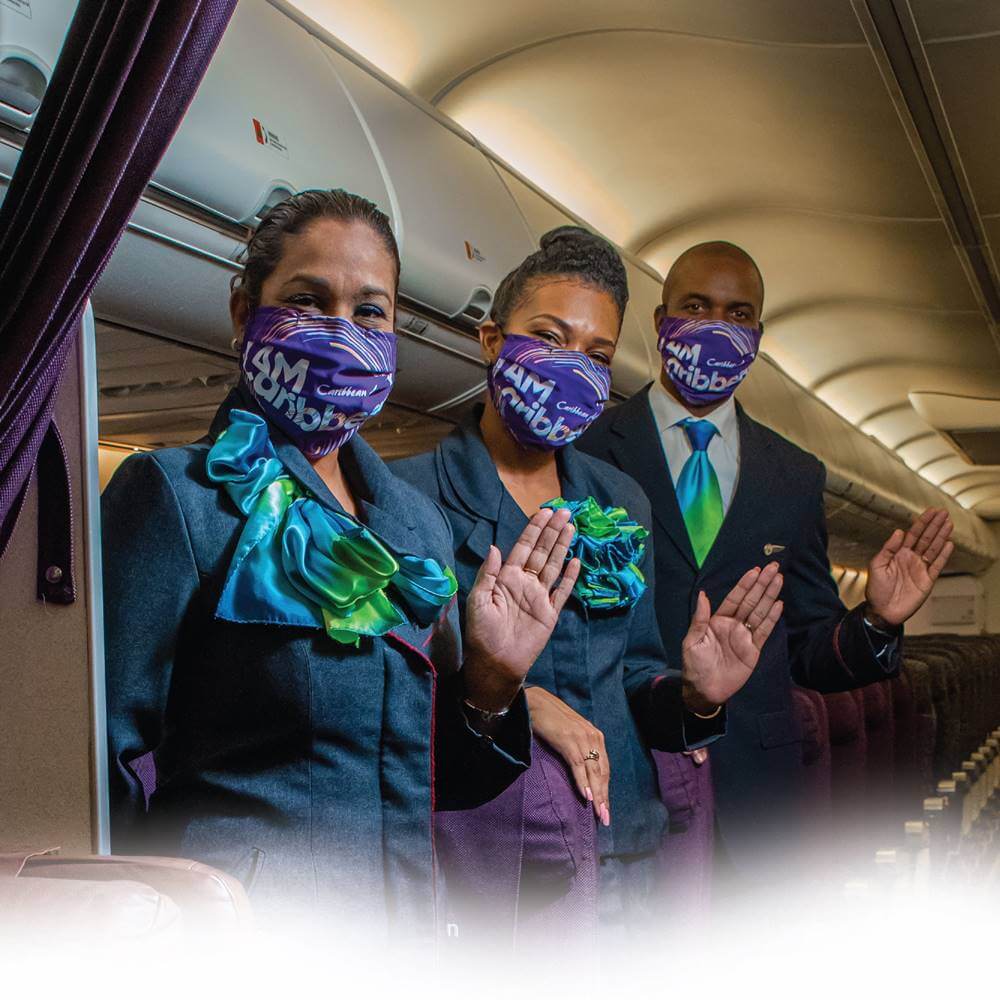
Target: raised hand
{"type": "Point", "coordinates": [513, 607]}
{"type": "Point", "coordinates": [721, 650]}
{"type": "Point", "coordinates": [901, 576]}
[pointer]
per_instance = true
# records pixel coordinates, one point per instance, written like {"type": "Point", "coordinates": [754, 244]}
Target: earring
{"type": "Point", "coordinates": [235, 344]}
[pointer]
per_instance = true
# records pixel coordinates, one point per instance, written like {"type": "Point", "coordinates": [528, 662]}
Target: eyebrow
{"type": "Point", "coordinates": [368, 291]}
{"type": "Point", "coordinates": [567, 329]}
{"type": "Point", "coordinates": [373, 290]}
{"type": "Point", "coordinates": [707, 301]}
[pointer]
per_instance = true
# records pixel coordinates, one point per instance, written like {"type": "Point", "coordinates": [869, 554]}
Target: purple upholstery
{"type": "Point", "coordinates": [848, 745]}
{"type": "Point", "coordinates": [685, 862]}
{"type": "Point", "coordinates": [810, 709]}
{"type": "Point", "coordinates": [880, 736]}
{"type": "Point", "coordinates": [522, 868]}
{"type": "Point", "coordinates": [906, 773]}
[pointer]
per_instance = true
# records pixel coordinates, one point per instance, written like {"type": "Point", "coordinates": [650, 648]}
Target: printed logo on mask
{"type": "Point", "coordinates": [546, 397]}
{"type": "Point", "coordinates": [318, 378]}
{"type": "Point", "coordinates": [706, 360]}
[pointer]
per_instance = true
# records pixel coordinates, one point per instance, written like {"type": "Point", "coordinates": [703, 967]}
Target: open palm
{"type": "Point", "coordinates": [901, 576]}
{"type": "Point", "coordinates": [513, 606]}
{"type": "Point", "coordinates": [721, 650]}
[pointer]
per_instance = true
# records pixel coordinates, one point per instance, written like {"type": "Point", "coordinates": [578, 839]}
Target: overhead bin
{"type": "Point", "coordinates": [269, 118]}
{"type": "Point", "coordinates": [31, 35]}
{"type": "Point", "coordinates": [460, 230]}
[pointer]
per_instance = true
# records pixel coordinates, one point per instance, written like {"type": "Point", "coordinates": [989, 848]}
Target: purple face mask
{"type": "Point", "coordinates": [317, 378]}
{"type": "Point", "coordinates": [706, 360]}
{"type": "Point", "coordinates": [546, 397]}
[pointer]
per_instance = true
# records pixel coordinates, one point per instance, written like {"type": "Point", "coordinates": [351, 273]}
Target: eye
{"type": "Point", "coordinates": [741, 316]}
{"type": "Point", "coordinates": [693, 307]}
{"type": "Point", "coordinates": [601, 358]}
{"type": "Point", "coordinates": [548, 336]}
{"type": "Point", "coordinates": [369, 311]}
{"type": "Point", "coordinates": [303, 301]}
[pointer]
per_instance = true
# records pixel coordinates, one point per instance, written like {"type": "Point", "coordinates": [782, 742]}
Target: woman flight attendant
{"type": "Point", "coordinates": [280, 631]}
{"type": "Point", "coordinates": [600, 694]}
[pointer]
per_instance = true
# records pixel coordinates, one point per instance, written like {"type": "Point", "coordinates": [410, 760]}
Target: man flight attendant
{"type": "Point", "coordinates": [728, 494]}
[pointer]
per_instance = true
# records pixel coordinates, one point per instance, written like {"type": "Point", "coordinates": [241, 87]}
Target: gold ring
{"type": "Point", "coordinates": [533, 572]}
{"type": "Point", "coordinates": [593, 755]}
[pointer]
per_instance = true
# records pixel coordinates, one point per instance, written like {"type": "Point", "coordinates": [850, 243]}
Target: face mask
{"type": "Point", "coordinates": [317, 378]}
{"type": "Point", "coordinates": [706, 360]}
{"type": "Point", "coordinates": [546, 397]}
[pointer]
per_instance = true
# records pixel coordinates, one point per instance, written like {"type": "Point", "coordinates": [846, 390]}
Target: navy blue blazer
{"type": "Point", "coordinates": [776, 513]}
{"type": "Point", "coordinates": [608, 666]}
{"type": "Point", "coordinates": [303, 767]}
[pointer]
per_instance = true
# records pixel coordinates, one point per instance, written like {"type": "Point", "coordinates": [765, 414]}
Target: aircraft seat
{"type": "Point", "coordinates": [907, 787]}
{"type": "Point", "coordinates": [117, 897]}
{"type": "Point", "coordinates": [811, 711]}
{"type": "Point", "coordinates": [848, 753]}
{"type": "Point", "coordinates": [880, 736]}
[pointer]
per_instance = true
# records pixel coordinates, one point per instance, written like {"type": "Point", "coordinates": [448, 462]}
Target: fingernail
{"type": "Point", "coordinates": [590, 795]}
{"type": "Point", "coordinates": [605, 816]}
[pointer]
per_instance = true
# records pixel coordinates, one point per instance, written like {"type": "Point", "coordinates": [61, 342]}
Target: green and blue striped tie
{"type": "Point", "coordinates": [698, 490]}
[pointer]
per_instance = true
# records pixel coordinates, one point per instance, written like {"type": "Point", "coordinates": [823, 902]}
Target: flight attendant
{"type": "Point", "coordinates": [601, 694]}
{"type": "Point", "coordinates": [727, 490]}
{"type": "Point", "coordinates": [280, 625]}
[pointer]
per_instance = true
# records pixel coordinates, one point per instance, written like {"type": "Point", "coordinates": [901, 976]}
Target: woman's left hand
{"type": "Point", "coordinates": [513, 608]}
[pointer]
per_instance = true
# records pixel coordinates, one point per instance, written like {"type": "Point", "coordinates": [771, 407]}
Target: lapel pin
{"type": "Point", "coordinates": [771, 548]}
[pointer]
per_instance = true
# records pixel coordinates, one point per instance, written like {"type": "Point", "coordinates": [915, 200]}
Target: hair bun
{"type": "Point", "coordinates": [573, 236]}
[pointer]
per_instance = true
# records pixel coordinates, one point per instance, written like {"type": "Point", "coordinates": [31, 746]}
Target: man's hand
{"type": "Point", "coordinates": [720, 651]}
{"type": "Point", "coordinates": [577, 741]}
{"type": "Point", "coordinates": [513, 608]}
{"type": "Point", "coordinates": [901, 576]}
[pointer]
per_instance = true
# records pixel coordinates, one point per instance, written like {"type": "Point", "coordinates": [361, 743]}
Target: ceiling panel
{"type": "Point", "coordinates": [967, 74]}
{"type": "Point", "coordinates": [425, 44]}
{"type": "Point", "coordinates": [668, 140]}
{"type": "Point", "coordinates": [948, 19]}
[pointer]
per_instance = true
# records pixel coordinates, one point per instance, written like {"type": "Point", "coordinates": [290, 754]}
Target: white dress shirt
{"type": "Point", "coordinates": [723, 449]}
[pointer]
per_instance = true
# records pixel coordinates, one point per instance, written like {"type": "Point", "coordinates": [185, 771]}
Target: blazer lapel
{"type": "Point", "coordinates": [753, 487]}
{"type": "Point", "coordinates": [637, 450]}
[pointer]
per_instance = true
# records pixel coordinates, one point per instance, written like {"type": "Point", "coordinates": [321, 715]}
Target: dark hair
{"type": "Point", "coordinates": [570, 253]}
{"type": "Point", "coordinates": [266, 246]}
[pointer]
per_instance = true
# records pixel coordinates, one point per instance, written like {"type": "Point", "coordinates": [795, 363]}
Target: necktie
{"type": "Point", "coordinates": [698, 490]}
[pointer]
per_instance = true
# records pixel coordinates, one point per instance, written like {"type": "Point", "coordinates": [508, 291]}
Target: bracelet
{"type": "Point", "coordinates": [698, 715]}
{"type": "Point", "coordinates": [486, 715]}
{"type": "Point", "coordinates": [875, 628]}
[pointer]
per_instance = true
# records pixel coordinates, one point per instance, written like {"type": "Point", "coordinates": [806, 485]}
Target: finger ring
{"type": "Point", "coordinates": [533, 572]}
{"type": "Point", "coordinates": [593, 755]}
{"type": "Point", "coordinates": [926, 560]}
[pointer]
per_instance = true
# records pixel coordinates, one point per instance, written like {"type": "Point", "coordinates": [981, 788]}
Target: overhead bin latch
{"type": "Point", "coordinates": [477, 307]}
{"type": "Point", "coordinates": [275, 195]}
{"type": "Point", "coordinates": [22, 85]}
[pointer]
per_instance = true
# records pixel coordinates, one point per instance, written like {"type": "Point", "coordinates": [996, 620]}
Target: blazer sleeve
{"type": "Point", "coordinates": [150, 580]}
{"type": "Point", "coordinates": [830, 648]}
{"type": "Point", "coordinates": [470, 768]}
{"type": "Point", "coordinates": [653, 686]}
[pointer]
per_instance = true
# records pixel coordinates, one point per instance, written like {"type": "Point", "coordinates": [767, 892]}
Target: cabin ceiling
{"type": "Point", "coordinates": [797, 130]}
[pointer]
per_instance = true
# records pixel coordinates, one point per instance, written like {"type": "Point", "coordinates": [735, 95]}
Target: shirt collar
{"type": "Point", "coordinates": [668, 412]}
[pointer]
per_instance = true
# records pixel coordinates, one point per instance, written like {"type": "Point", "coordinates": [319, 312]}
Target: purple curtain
{"type": "Point", "coordinates": [126, 74]}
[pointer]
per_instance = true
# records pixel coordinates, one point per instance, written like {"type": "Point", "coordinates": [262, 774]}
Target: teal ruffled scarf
{"type": "Point", "coordinates": [299, 563]}
{"type": "Point", "coordinates": [610, 547]}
